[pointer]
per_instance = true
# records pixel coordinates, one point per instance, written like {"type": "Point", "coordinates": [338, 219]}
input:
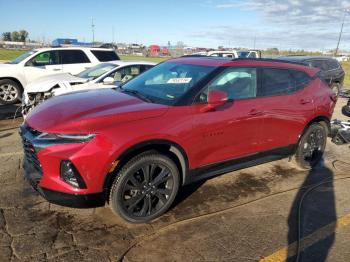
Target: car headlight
{"type": "Point", "coordinates": [73, 138]}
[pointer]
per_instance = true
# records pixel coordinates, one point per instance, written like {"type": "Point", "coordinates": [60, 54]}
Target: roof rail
{"type": "Point", "coordinates": [243, 59]}
{"type": "Point", "coordinates": [270, 60]}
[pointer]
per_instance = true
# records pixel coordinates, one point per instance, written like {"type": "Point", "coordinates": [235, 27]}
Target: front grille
{"type": "Point", "coordinates": [30, 155]}
{"type": "Point", "coordinates": [33, 131]}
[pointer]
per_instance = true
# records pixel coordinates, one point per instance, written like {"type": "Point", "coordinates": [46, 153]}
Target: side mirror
{"type": "Point", "coordinates": [117, 83]}
{"type": "Point", "coordinates": [215, 99]}
{"type": "Point", "coordinates": [108, 81]}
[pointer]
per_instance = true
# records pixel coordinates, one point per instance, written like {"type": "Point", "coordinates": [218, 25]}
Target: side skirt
{"type": "Point", "coordinates": [238, 163]}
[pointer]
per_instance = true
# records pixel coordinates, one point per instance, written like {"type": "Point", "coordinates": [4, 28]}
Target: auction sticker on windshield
{"type": "Point", "coordinates": [183, 80]}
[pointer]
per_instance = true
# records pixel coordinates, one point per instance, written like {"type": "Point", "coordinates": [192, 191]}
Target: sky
{"type": "Point", "coordinates": [285, 24]}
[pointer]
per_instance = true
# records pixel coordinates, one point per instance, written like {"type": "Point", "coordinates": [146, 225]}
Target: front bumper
{"type": "Point", "coordinates": [60, 198]}
{"type": "Point", "coordinates": [41, 170]}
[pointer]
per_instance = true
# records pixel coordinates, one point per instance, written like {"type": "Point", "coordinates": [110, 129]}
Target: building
{"type": "Point", "coordinates": [69, 41]}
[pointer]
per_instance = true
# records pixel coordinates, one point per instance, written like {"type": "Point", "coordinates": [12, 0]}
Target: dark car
{"type": "Point", "coordinates": [183, 120]}
{"type": "Point", "coordinates": [332, 72]}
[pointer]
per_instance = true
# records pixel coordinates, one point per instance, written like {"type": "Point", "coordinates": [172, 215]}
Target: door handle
{"type": "Point", "coordinates": [255, 112]}
{"type": "Point", "coordinates": [305, 101]}
{"type": "Point", "coordinates": [56, 69]}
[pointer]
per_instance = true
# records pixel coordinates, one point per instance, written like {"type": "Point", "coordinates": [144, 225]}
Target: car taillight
{"type": "Point", "coordinates": [334, 97]}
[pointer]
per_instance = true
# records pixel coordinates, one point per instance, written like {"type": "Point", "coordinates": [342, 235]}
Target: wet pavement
{"type": "Point", "coordinates": [247, 215]}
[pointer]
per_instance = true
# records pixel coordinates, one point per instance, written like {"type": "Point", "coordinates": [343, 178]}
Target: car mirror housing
{"type": "Point", "coordinates": [108, 81]}
{"type": "Point", "coordinates": [216, 99]}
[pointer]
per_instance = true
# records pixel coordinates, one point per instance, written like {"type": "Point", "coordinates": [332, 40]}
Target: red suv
{"type": "Point", "coordinates": [183, 120]}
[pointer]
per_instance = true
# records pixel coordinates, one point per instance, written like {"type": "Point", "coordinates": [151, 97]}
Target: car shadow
{"type": "Point", "coordinates": [313, 210]}
{"type": "Point", "coordinates": [185, 192]}
{"type": "Point", "coordinates": [10, 111]}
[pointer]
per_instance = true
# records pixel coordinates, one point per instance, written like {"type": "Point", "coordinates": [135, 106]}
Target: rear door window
{"type": "Point", "coordinates": [105, 56]}
{"type": "Point", "coordinates": [276, 82]}
{"type": "Point", "coordinates": [73, 57]}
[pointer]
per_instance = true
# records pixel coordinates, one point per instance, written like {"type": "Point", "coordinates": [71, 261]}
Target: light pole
{"type": "Point", "coordinates": [93, 30]}
{"type": "Point", "coordinates": [341, 31]}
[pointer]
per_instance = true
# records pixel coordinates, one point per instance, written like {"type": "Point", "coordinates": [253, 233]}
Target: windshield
{"type": "Point", "coordinates": [22, 57]}
{"type": "Point", "coordinates": [165, 83]}
{"type": "Point", "coordinates": [96, 71]}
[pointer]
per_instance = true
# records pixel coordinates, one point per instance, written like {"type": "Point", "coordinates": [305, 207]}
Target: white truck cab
{"type": "Point", "coordinates": [15, 75]}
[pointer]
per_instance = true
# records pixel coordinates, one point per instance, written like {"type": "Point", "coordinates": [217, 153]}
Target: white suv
{"type": "Point", "coordinates": [15, 75]}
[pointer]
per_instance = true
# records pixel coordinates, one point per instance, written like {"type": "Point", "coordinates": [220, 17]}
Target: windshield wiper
{"type": "Point", "coordinates": [137, 94]}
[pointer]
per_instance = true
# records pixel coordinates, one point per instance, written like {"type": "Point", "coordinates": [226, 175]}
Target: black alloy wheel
{"type": "Point", "coordinates": [145, 187]}
{"type": "Point", "coordinates": [311, 146]}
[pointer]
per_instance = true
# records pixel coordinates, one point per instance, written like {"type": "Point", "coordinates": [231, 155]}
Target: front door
{"type": "Point", "coordinates": [231, 130]}
{"type": "Point", "coordinates": [44, 63]}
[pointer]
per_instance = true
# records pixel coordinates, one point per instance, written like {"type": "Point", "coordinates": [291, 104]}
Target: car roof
{"type": "Point", "coordinates": [131, 62]}
{"type": "Point", "coordinates": [304, 58]}
{"type": "Point", "coordinates": [245, 62]}
{"type": "Point", "coordinates": [74, 48]}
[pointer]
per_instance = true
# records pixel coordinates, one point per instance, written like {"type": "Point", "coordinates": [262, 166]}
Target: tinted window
{"type": "Point", "coordinates": [104, 56]}
{"type": "Point", "coordinates": [332, 64]}
{"type": "Point", "coordinates": [73, 57]}
{"type": "Point", "coordinates": [126, 73]}
{"type": "Point", "coordinates": [320, 64]}
{"type": "Point", "coordinates": [44, 58]}
{"type": "Point", "coordinates": [238, 83]}
{"type": "Point", "coordinates": [281, 81]}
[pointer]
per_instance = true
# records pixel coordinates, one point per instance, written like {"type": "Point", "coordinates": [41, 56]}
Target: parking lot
{"type": "Point", "coordinates": [247, 215]}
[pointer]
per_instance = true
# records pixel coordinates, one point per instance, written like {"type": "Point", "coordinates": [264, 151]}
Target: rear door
{"type": "Point", "coordinates": [44, 63]}
{"type": "Point", "coordinates": [74, 61]}
{"type": "Point", "coordinates": [286, 106]}
{"type": "Point", "coordinates": [230, 131]}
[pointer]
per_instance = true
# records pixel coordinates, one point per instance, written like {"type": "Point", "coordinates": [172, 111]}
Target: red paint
{"type": "Point", "coordinates": [229, 130]}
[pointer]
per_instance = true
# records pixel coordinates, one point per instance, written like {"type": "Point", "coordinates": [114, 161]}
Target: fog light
{"type": "Point", "coordinates": [71, 175]}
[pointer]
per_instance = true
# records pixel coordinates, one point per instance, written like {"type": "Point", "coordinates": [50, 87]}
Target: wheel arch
{"type": "Point", "coordinates": [325, 121]}
{"type": "Point", "coordinates": [167, 147]}
{"type": "Point", "coordinates": [13, 79]}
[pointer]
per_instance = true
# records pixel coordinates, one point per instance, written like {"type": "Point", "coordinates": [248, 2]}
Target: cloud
{"type": "Point", "coordinates": [282, 38]}
{"type": "Point", "coordinates": [298, 12]}
{"type": "Point", "coordinates": [295, 24]}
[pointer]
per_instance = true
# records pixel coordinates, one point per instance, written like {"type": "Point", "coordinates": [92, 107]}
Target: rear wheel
{"type": "Point", "coordinates": [10, 92]}
{"type": "Point", "coordinates": [311, 146]}
{"type": "Point", "coordinates": [145, 187]}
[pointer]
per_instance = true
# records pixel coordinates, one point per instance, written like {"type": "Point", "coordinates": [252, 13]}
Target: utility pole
{"type": "Point", "coordinates": [113, 34]}
{"type": "Point", "coordinates": [93, 30]}
{"type": "Point", "coordinates": [341, 31]}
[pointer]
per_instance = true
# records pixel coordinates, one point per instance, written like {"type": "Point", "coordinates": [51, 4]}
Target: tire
{"type": "Point", "coordinates": [138, 199]}
{"type": "Point", "coordinates": [10, 92]}
{"type": "Point", "coordinates": [336, 88]}
{"type": "Point", "coordinates": [311, 146]}
{"type": "Point", "coordinates": [346, 110]}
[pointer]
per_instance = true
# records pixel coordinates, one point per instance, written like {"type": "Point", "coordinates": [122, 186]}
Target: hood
{"type": "Point", "coordinates": [90, 111]}
{"type": "Point", "coordinates": [46, 83]}
{"type": "Point", "coordinates": [6, 69]}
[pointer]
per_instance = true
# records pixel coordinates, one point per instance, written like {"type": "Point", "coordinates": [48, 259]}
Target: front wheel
{"type": "Point", "coordinates": [311, 146]}
{"type": "Point", "coordinates": [10, 92]}
{"type": "Point", "coordinates": [145, 187]}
